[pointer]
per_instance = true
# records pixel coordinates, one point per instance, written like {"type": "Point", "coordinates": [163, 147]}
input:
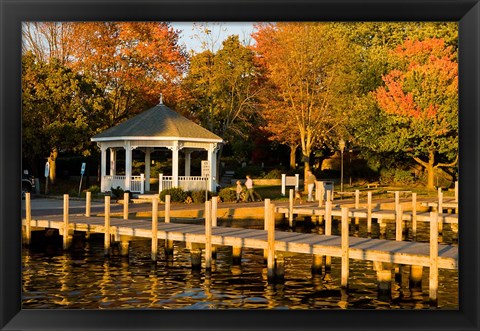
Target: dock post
{"type": "Point", "coordinates": [415, 278]}
{"type": "Point", "coordinates": [88, 203]}
{"type": "Point", "coordinates": [236, 255]}
{"type": "Point", "coordinates": [328, 230]}
{"type": "Point", "coordinates": [265, 225]}
{"type": "Point", "coordinates": [124, 244]}
{"type": "Point", "coordinates": [345, 249]}
{"type": "Point", "coordinates": [357, 206]}
{"type": "Point", "coordinates": [214, 223]}
{"type": "Point", "coordinates": [196, 256]}
{"type": "Point", "coordinates": [28, 219]}
{"type": "Point", "coordinates": [369, 213]}
{"type": "Point", "coordinates": [319, 192]}
{"type": "Point", "coordinates": [433, 277]}
{"type": "Point", "coordinates": [154, 228]}
{"type": "Point", "coordinates": [440, 210]}
{"type": "Point", "coordinates": [384, 278]}
{"type": "Point", "coordinates": [126, 201]}
{"type": "Point", "coordinates": [67, 239]}
{"type": "Point", "coordinates": [290, 208]}
{"type": "Point", "coordinates": [208, 235]}
{"type": "Point", "coordinates": [399, 223]}
{"type": "Point", "coordinates": [168, 242]}
{"type": "Point", "coordinates": [271, 244]}
{"type": "Point", "coordinates": [317, 264]}
{"type": "Point", "coordinates": [414, 215]}
{"type": "Point", "coordinates": [107, 226]}
{"type": "Point", "coordinates": [280, 268]}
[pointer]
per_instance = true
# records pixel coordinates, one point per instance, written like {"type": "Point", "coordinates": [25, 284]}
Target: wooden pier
{"type": "Point", "coordinates": [274, 243]}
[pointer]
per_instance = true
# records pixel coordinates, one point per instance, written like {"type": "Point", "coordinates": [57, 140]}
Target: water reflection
{"type": "Point", "coordinates": [84, 279]}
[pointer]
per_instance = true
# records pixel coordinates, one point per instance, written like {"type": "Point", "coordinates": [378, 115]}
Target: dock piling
{"type": "Point", "coordinates": [28, 219]}
{"type": "Point", "coordinates": [126, 201]}
{"type": "Point", "coordinates": [67, 239]}
{"type": "Point", "coordinates": [345, 248]}
{"type": "Point", "coordinates": [88, 203]}
{"type": "Point", "coordinates": [369, 213]}
{"type": "Point", "coordinates": [414, 215]}
{"type": "Point", "coordinates": [440, 210]}
{"type": "Point", "coordinates": [271, 243]}
{"type": "Point", "coordinates": [265, 224]}
{"type": "Point", "coordinates": [208, 235]}
{"type": "Point", "coordinates": [433, 277]}
{"type": "Point", "coordinates": [168, 242]}
{"type": "Point", "coordinates": [415, 278]}
{"type": "Point", "coordinates": [357, 206]}
{"type": "Point", "coordinates": [154, 228]}
{"type": "Point", "coordinates": [290, 208]}
{"type": "Point", "coordinates": [214, 223]}
{"type": "Point", "coordinates": [399, 223]}
{"type": "Point", "coordinates": [328, 229]}
{"type": "Point", "coordinates": [107, 226]}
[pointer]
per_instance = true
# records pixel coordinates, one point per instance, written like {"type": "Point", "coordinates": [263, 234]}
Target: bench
{"type": "Point", "coordinates": [374, 184]}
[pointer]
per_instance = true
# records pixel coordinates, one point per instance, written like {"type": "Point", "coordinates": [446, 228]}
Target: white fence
{"type": "Point", "coordinates": [187, 183]}
{"type": "Point", "coordinates": [137, 183]}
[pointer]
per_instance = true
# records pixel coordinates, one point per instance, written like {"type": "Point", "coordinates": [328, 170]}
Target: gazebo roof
{"type": "Point", "coordinates": [157, 123]}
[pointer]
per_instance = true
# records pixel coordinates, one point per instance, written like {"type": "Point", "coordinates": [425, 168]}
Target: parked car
{"type": "Point", "coordinates": [28, 183]}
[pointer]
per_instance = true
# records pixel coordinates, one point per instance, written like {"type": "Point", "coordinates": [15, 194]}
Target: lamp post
{"type": "Point", "coordinates": [341, 145]}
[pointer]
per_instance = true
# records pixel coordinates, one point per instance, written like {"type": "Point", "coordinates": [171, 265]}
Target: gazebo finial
{"type": "Point", "coordinates": [161, 99]}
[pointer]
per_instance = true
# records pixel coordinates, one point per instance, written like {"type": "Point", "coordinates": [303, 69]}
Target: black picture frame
{"type": "Point", "coordinates": [13, 12]}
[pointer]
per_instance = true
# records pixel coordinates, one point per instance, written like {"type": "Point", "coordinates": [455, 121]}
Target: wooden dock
{"type": "Point", "coordinates": [274, 243]}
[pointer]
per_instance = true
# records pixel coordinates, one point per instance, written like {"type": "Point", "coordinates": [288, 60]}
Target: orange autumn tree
{"type": "Point", "coordinates": [133, 62]}
{"type": "Point", "coordinates": [420, 101]}
{"type": "Point", "coordinates": [307, 82]}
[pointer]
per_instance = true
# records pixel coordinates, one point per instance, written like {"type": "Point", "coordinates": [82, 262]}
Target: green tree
{"type": "Point", "coordinates": [59, 109]}
{"type": "Point", "coordinates": [223, 88]}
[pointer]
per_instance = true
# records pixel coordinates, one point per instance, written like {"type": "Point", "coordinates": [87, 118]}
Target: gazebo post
{"type": "Point", "coordinates": [188, 155]}
{"type": "Point", "coordinates": [103, 170]}
{"type": "Point", "coordinates": [148, 151]}
{"type": "Point", "coordinates": [175, 164]}
{"type": "Point", "coordinates": [113, 161]}
{"type": "Point", "coordinates": [128, 165]}
{"type": "Point", "coordinates": [212, 161]}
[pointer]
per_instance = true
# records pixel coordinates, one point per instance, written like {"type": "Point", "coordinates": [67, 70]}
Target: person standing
{"type": "Point", "coordinates": [310, 183]}
{"type": "Point", "coordinates": [249, 186]}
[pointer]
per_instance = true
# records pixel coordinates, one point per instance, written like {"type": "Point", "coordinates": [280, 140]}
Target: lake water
{"type": "Point", "coordinates": [83, 278]}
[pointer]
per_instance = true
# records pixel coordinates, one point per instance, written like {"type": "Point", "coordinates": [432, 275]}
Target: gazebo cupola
{"type": "Point", "coordinates": [157, 128]}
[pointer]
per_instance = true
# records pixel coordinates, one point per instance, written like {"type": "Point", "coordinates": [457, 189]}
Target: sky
{"type": "Point", "coordinates": [220, 31]}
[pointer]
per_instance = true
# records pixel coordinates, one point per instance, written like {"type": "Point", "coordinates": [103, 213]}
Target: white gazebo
{"type": "Point", "coordinates": [158, 128]}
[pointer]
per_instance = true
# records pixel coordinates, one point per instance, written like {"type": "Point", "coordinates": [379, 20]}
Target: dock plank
{"type": "Point", "coordinates": [402, 252]}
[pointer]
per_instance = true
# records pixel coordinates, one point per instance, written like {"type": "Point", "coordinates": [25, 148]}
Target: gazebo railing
{"type": "Point", "coordinates": [137, 183]}
{"type": "Point", "coordinates": [187, 183]}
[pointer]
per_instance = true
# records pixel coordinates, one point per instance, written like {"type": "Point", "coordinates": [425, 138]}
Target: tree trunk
{"type": "Point", "coordinates": [293, 164]}
{"type": "Point", "coordinates": [429, 167]}
{"type": "Point", "coordinates": [53, 166]}
{"type": "Point", "coordinates": [430, 175]}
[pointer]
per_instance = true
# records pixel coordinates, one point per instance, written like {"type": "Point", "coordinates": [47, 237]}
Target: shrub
{"type": "Point", "coordinates": [274, 174]}
{"type": "Point", "coordinates": [396, 176]}
{"type": "Point", "coordinates": [228, 194]}
{"type": "Point", "coordinates": [199, 196]}
{"type": "Point", "coordinates": [117, 192]}
{"type": "Point", "coordinates": [94, 189]}
{"type": "Point", "coordinates": [176, 194]}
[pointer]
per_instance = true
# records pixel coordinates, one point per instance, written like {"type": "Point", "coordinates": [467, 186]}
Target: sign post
{"type": "Point", "coordinates": [82, 171]}
{"type": "Point", "coordinates": [47, 173]}
{"type": "Point", "coordinates": [206, 173]}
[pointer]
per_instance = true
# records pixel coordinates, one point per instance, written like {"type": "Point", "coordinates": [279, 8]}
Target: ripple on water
{"type": "Point", "coordinates": [87, 280]}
